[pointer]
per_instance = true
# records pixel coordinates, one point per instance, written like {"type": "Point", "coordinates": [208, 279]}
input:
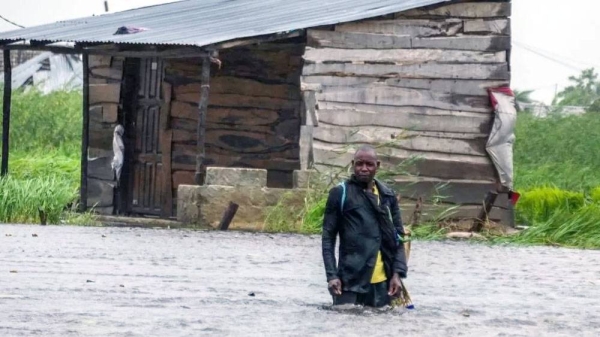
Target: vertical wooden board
{"type": "Point", "coordinates": [149, 184]}
{"type": "Point", "coordinates": [182, 178]}
{"type": "Point", "coordinates": [158, 195]}
{"type": "Point", "coordinates": [166, 141]}
{"type": "Point", "coordinates": [306, 147]}
{"type": "Point", "coordinates": [165, 113]}
{"type": "Point", "coordinates": [310, 116]}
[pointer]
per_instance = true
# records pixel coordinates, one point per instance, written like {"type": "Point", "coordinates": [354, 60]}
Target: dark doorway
{"type": "Point", "coordinates": [145, 119]}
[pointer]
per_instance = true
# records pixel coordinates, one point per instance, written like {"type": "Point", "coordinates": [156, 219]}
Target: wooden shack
{"type": "Point", "coordinates": [415, 79]}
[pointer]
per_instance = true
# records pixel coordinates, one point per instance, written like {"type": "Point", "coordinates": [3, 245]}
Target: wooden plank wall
{"type": "Point", "coordinates": [253, 117]}
{"type": "Point", "coordinates": [416, 79]}
{"type": "Point", "coordinates": [105, 75]}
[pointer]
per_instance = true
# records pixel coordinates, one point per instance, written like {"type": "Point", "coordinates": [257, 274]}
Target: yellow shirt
{"type": "Point", "coordinates": [379, 272]}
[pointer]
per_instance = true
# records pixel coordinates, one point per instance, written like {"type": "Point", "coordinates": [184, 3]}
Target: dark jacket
{"type": "Point", "coordinates": [364, 229]}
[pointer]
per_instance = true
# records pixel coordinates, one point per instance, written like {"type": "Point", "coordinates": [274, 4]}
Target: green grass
{"type": "Point", "coordinates": [557, 152]}
{"type": "Point", "coordinates": [595, 195]}
{"type": "Point", "coordinates": [293, 216]}
{"type": "Point", "coordinates": [41, 123]}
{"type": "Point", "coordinates": [44, 162]}
{"type": "Point", "coordinates": [20, 199]}
{"type": "Point", "coordinates": [50, 164]}
{"type": "Point", "coordinates": [566, 227]}
{"type": "Point", "coordinates": [538, 205]}
{"type": "Point", "coordinates": [557, 161]}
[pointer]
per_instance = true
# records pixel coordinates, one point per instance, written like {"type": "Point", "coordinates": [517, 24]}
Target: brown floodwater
{"type": "Point", "coordinates": [83, 281]}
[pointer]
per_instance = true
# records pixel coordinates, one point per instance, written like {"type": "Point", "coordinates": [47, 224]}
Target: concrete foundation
{"type": "Point", "coordinates": [204, 205]}
{"type": "Point", "coordinates": [221, 176]}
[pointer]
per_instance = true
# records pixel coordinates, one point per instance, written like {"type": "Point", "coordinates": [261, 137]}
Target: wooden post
{"type": "Point", "coordinates": [85, 134]}
{"type": "Point", "coordinates": [201, 132]}
{"type": "Point", "coordinates": [6, 111]}
{"type": "Point", "coordinates": [228, 216]}
{"type": "Point", "coordinates": [488, 203]}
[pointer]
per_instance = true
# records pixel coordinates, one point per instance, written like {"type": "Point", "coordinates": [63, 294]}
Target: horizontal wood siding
{"type": "Point", "coordinates": [253, 117]}
{"type": "Point", "coordinates": [415, 83]}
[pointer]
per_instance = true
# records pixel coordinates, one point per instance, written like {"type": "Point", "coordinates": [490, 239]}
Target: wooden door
{"type": "Point", "coordinates": [149, 174]}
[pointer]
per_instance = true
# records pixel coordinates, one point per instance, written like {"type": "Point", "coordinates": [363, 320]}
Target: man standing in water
{"type": "Point", "coordinates": [365, 214]}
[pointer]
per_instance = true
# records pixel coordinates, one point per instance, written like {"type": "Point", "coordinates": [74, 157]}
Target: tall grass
{"type": "Point", "coordinates": [22, 199]}
{"type": "Point", "coordinates": [538, 205]}
{"type": "Point", "coordinates": [565, 227]}
{"type": "Point", "coordinates": [41, 123]}
{"type": "Point", "coordinates": [304, 213]}
{"type": "Point", "coordinates": [30, 165]}
{"type": "Point", "coordinates": [595, 195]}
{"type": "Point", "coordinates": [44, 162]}
{"type": "Point", "coordinates": [557, 162]}
{"type": "Point", "coordinates": [560, 152]}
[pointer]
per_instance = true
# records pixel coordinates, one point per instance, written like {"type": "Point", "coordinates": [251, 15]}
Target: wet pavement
{"type": "Point", "coordinates": [82, 281]}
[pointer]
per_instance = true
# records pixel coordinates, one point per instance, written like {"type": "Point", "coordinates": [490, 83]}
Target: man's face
{"type": "Point", "coordinates": [365, 166]}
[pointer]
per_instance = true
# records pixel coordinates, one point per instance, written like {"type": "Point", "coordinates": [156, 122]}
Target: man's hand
{"type": "Point", "coordinates": [335, 287]}
{"type": "Point", "coordinates": [395, 285]}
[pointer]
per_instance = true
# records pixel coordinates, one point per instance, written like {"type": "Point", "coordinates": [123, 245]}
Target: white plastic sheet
{"type": "Point", "coordinates": [118, 151]}
{"type": "Point", "coordinates": [502, 137]}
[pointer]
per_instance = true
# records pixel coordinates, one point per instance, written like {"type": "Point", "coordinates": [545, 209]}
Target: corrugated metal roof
{"type": "Point", "coordinates": [205, 22]}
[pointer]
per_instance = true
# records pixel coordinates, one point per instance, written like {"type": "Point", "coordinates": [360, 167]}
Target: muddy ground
{"type": "Point", "coordinates": [78, 281]}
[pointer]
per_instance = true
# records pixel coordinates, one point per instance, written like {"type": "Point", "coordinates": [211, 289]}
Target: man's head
{"type": "Point", "coordinates": [365, 164]}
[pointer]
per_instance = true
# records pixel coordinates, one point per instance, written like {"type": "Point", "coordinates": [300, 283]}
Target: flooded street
{"type": "Point", "coordinates": [79, 281]}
